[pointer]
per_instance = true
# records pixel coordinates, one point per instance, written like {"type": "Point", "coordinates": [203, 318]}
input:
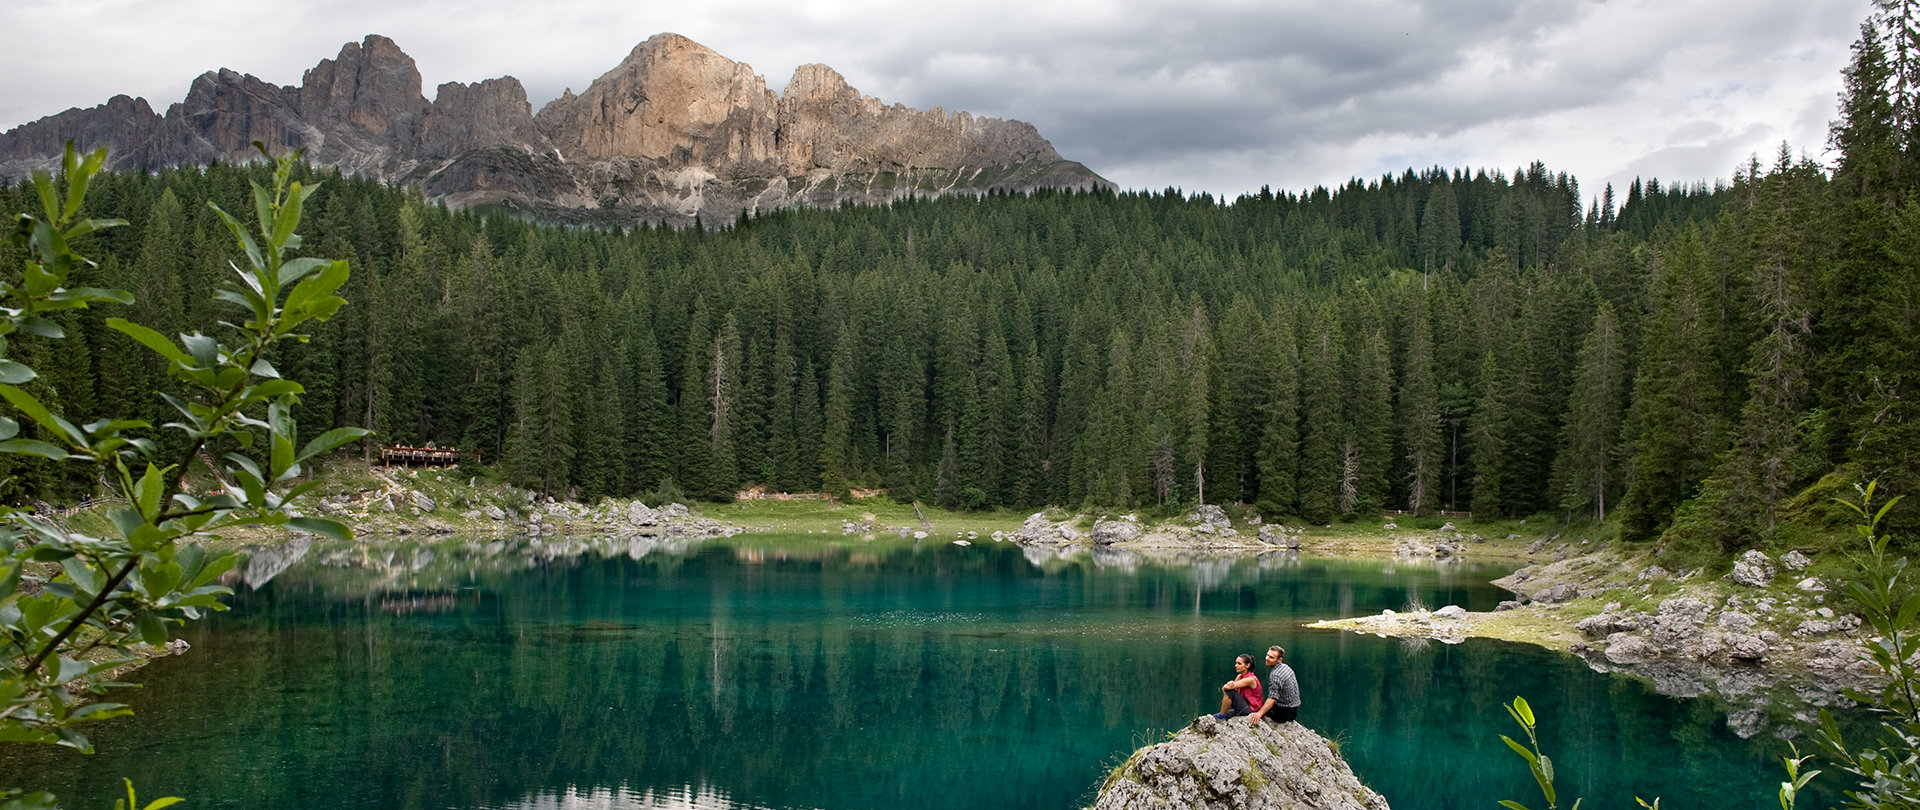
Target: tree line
{"type": "Point", "coordinates": [1464, 340]}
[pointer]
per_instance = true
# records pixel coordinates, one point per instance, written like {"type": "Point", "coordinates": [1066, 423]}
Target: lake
{"type": "Point", "coordinates": [807, 672]}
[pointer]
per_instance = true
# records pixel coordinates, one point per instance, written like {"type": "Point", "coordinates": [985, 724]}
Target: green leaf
{"type": "Point", "coordinates": [296, 269]}
{"type": "Point", "coordinates": [332, 529]}
{"type": "Point", "coordinates": [43, 186]}
{"type": "Point", "coordinates": [33, 447]}
{"type": "Point", "coordinates": [8, 428]}
{"type": "Point", "coordinates": [263, 216]}
{"type": "Point", "coordinates": [1522, 750]}
{"type": "Point", "coordinates": [152, 630]}
{"type": "Point", "coordinates": [317, 287]}
{"type": "Point", "coordinates": [13, 373]}
{"type": "Point", "coordinates": [1512, 805]}
{"type": "Point", "coordinates": [205, 350]}
{"type": "Point", "coordinates": [36, 325]}
{"type": "Point", "coordinates": [169, 801]}
{"type": "Point", "coordinates": [70, 669]}
{"type": "Point", "coordinates": [147, 492]}
{"type": "Point", "coordinates": [1525, 711]}
{"type": "Point", "coordinates": [331, 439]}
{"type": "Point", "coordinates": [82, 574]}
{"type": "Point", "coordinates": [34, 410]}
{"type": "Point", "coordinates": [150, 339]}
{"type": "Point", "coordinates": [241, 236]}
{"type": "Point", "coordinates": [282, 458]}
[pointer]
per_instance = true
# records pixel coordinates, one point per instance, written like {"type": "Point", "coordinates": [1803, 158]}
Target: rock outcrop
{"type": "Point", "coordinates": [673, 133]}
{"type": "Point", "coordinates": [1232, 763]}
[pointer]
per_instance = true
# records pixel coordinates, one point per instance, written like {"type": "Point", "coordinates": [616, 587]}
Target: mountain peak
{"type": "Point", "coordinates": [673, 132]}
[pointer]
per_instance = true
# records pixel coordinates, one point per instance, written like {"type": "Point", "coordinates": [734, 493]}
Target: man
{"type": "Point", "coordinates": [1283, 690]}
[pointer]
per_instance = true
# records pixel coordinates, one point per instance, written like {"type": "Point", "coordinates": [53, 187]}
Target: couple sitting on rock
{"type": "Point", "coordinates": [1244, 698]}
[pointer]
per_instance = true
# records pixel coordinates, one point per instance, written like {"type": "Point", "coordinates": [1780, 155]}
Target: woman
{"type": "Point", "coordinates": [1242, 694]}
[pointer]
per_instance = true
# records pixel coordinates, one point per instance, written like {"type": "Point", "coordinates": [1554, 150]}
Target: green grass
{"type": "Point", "coordinates": [821, 515]}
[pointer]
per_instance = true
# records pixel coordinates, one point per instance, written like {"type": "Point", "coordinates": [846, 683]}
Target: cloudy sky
{"type": "Point", "coordinates": [1216, 95]}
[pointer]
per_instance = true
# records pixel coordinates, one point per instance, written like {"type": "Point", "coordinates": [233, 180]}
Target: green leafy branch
{"type": "Point", "coordinates": [1887, 770]}
{"type": "Point", "coordinates": [73, 606]}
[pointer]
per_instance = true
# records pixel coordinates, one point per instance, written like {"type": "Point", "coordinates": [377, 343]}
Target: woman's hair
{"type": "Point", "coordinates": [1244, 658]}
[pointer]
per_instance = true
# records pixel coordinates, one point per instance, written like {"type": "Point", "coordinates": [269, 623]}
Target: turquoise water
{"type": "Point", "coordinates": [794, 672]}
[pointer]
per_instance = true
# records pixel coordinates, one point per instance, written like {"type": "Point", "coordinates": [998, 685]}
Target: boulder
{"type": "Point", "coordinates": [1209, 514]}
{"type": "Point", "coordinates": [1627, 648]}
{"type": "Point", "coordinates": [421, 501]}
{"type": "Point", "coordinates": [1451, 612]}
{"type": "Point", "coordinates": [1653, 572]}
{"type": "Point", "coordinates": [1123, 530]}
{"type": "Point", "coordinates": [640, 514]}
{"type": "Point", "coordinates": [1508, 604]}
{"type": "Point", "coordinates": [1795, 561]}
{"type": "Point", "coordinates": [673, 511]}
{"type": "Point", "coordinates": [1744, 647]}
{"type": "Point", "coordinates": [1232, 763]}
{"type": "Point", "coordinates": [1753, 569]}
{"type": "Point", "coordinates": [1676, 631]}
{"type": "Point", "coordinates": [494, 512]}
{"type": "Point", "coordinates": [1203, 528]}
{"type": "Point", "coordinates": [1606, 624]}
{"type": "Point", "coordinates": [1736, 621]}
{"type": "Point", "coordinates": [1812, 585]}
{"type": "Point", "coordinates": [1555, 594]}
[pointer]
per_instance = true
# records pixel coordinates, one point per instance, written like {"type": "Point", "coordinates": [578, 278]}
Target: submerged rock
{"type": "Point", "coordinates": [1232, 763]}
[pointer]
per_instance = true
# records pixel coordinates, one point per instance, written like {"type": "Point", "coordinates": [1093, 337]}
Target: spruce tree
{"type": "Point", "coordinates": [1419, 403]}
{"type": "Point", "coordinates": [1585, 465]}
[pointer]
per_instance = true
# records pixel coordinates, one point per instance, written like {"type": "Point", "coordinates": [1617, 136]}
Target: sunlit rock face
{"type": "Point", "coordinates": [673, 133]}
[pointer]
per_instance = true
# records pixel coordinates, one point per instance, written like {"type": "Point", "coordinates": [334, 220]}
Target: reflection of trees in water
{"type": "Point", "coordinates": [621, 797]}
{"type": "Point", "coordinates": [858, 673]}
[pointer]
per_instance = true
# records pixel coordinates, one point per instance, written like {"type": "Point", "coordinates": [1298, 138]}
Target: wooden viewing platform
{"type": "Point", "coordinates": [428, 456]}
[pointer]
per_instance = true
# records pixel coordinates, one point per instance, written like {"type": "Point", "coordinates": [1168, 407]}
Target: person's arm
{"type": "Point", "coordinates": [1241, 682]}
{"type": "Point", "coordinates": [1262, 713]}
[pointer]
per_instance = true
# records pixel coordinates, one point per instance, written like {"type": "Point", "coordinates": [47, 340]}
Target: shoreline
{"type": "Point", "coordinates": [1766, 645]}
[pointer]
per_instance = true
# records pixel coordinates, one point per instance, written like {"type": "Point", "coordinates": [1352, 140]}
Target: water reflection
{"type": "Point", "coordinates": [841, 674]}
{"type": "Point", "coordinates": [624, 798]}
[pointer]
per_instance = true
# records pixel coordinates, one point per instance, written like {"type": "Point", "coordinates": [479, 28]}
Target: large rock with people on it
{"type": "Point", "coordinates": [1234, 763]}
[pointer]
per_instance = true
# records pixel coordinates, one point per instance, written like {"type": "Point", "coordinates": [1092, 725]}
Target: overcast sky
{"type": "Point", "coordinates": [1217, 95]}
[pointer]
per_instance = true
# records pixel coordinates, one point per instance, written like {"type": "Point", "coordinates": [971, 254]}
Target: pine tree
{"type": "Point", "coordinates": [837, 416]}
{"type": "Point", "coordinates": [1419, 403]}
{"type": "Point", "coordinates": [1320, 427]}
{"type": "Point", "coordinates": [1585, 464]}
{"type": "Point", "coordinates": [1486, 439]}
{"type": "Point", "coordinates": [1674, 422]}
{"type": "Point", "coordinates": [723, 391]}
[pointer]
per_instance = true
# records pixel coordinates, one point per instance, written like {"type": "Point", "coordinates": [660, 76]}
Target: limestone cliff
{"type": "Point", "coordinates": [1214, 763]}
{"type": "Point", "coordinates": [674, 132]}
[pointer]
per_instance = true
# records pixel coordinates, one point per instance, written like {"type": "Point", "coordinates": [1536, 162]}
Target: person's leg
{"type": "Point", "coordinates": [1239, 707]}
{"type": "Point", "coordinates": [1226, 703]}
{"type": "Point", "coordinates": [1284, 714]}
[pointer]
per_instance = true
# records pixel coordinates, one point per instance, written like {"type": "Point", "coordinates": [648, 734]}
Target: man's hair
{"type": "Point", "coordinates": [1278, 649]}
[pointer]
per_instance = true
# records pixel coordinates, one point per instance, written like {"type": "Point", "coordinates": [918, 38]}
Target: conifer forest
{"type": "Point", "coordinates": [1500, 341]}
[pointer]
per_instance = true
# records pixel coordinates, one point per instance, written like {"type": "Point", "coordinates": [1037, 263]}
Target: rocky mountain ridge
{"type": "Point", "coordinates": [673, 133]}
